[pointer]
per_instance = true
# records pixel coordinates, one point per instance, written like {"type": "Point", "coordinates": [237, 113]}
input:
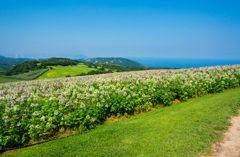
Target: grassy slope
{"type": "Point", "coordinates": [185, 129]}
{"type": "Point", "coordinates": [62, 71]}
{"type": "Point", "coordinates": [29, 75]}
{"type": "Point", "coordinates": [5, 79]}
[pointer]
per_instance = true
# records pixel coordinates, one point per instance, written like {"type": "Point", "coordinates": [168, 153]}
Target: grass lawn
{"type": "Point", "coordinates": [184, 129]}
{"type": "Point", "coordinates": [63, 71]}
{"type": "Point", "coordinates": [6, 79]}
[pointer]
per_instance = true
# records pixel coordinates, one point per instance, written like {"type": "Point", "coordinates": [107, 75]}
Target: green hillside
{"type": "Point", "coordinates": [37, 65]}
{"type": "Point", "coordinates": [39, 70]}
{"type": "Point", "coordinates": [29, 75]}
{"type": "Point", "coordinates": [8, 63]}
{"type": "Point", "coordinates": [118, 61]}
{"type": "Point", "coordinates": [7, 79]}
{"type": "Point", "coordinates": [87, 69]}
{"type": "Point", "coordinates": [185, 129]}
{"type": "Point", "coordinates": [63, 71]}
{"type": "Point", "coordinates": [65, 67]}
{"type": "Point", "coordinates": [25, 76]}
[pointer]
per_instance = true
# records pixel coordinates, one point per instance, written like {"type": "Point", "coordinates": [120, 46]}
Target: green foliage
{"type": "Point", "coordinates": [110, 68]}
{"type": "Point", "coordinates": [34, 109]}
{"type": "Point", "coordinates": [94, 72]}
{"type": "Point", "coordinates": [24, 68]}
{"type": "Point", "coordinates": [185, 129]}
{"type": "Point", "coordinates": [58, 61]}
{"type": "Point", "coordinates": [29, 75]}
{"type": "Point", "coordinates": [7, 79]}
{"type": "Point", "coordinates": [118, 61]}
{"type": "Point", "coordinates": [119, 68]}
{"type": "Point", "coordinates": [36, 65]}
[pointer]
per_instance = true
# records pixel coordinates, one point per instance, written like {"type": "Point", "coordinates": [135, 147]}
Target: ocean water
{"type": "Point", "coordinates": [184, 63]}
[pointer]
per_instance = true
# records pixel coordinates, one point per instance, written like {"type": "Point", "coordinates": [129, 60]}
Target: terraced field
{"type": "Point", "coordinates": [5, 79]}
{"type": "Point", "coordinates": [63, 71]}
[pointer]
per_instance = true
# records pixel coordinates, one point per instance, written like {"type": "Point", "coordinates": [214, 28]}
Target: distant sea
{"type": "Point", "coordinates": [184, 63]}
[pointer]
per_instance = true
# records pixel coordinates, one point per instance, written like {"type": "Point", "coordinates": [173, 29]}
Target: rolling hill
{"type": "Point", "coordinates": [8, 63]}
{"type": "Point", "coordinates": [65, 67]}
{"type": "Point", "coordinates": [112, 60]}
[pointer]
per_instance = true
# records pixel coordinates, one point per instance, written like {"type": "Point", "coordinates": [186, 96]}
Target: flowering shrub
{"type": "Point", "coordinates": [33, 109]}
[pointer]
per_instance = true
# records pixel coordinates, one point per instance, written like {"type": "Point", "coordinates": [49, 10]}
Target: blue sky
{"type": "Point", "coordinates": [120, 28]}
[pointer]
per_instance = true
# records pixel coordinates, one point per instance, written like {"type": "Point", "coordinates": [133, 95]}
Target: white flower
{"type": "Point", "coordinates": [36, 113]}
{"type": "Point", "coordinates": [56, 112]}
{"type": "Point", "coordinates": [7, 109]}
{"type": "Point", "coordinates": [82, 105]}
{"type": "Point", "coordinates": [42, 118]}
{"type": "Point", "coordinates": [7, 137]}
{"type": "Point", "coordinates": [48, 125]}
{"type": "Point", "coordinates": [50, 119]}
{"type": "Point", "coordinates": [31, 127]}
{"type": "Point", "coordinates": [98, 104]}
{"type": "Point", "coordinates": [16, 107]}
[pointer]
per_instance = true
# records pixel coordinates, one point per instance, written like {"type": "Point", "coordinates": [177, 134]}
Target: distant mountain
{"type": "Point", "coordinates": [7, 63]}
{"type": "Point", "coordinates": [118, 61]}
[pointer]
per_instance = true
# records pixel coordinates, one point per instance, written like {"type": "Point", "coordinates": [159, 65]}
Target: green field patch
{"type": "Point", "coordinates": [63, 71]}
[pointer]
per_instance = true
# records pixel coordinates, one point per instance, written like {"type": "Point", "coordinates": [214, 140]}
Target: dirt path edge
{"type": "Point", "coordinates": [230, 146]}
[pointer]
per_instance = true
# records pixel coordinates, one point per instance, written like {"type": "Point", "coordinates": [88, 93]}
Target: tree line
{"type": "Point", "coordinates": [32, 65]}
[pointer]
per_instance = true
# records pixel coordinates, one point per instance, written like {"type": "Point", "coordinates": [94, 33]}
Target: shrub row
{"type": "Point", "coordinates": [29, 75]}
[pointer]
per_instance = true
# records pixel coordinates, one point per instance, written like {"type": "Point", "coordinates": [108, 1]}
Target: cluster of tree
{"type": "Point", "coordinates": [5, 66]}
{"type": "Point", "coordinates": [112, 60]}
{"type": "Point", "coordinates": [25, 67]}
{"type": "Point", "coordinates": [93, 72]}
{"type": "Point", "coordinates": [109, 68]}
{"type": "Point", "coordinates": [36, 65]}
{"type": "Point", "coordinates": [58, 61]}
{"type": "Point", "coordinates": [119, 68]}
{"type": "Point", "coordinates": [90, 65]}
{"type": "Point", "coordinates": [2, 73]}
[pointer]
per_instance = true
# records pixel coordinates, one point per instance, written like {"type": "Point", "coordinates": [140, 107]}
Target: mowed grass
{"type": "Point", "coordinates": [6, 79]}
{"type": "Point", "coordinates": [63, 71]}
{"type": "Point", "coordinates": [184, 129]}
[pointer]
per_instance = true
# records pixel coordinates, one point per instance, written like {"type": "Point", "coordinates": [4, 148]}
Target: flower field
{"type": "Point", "coordinates": [34, 109]}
